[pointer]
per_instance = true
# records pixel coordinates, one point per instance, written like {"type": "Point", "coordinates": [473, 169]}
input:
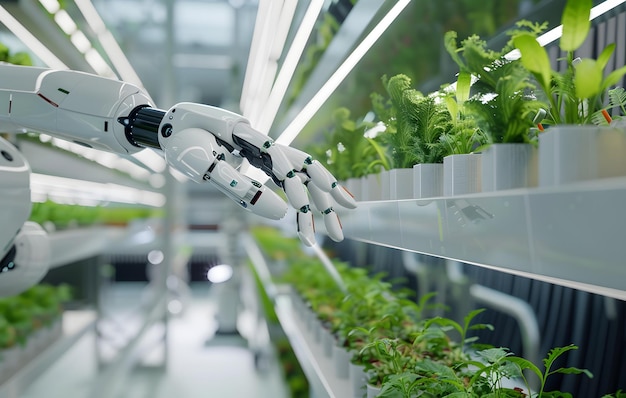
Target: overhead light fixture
{"type": "Point", "coordinates": [151, 159]}
{"type": "Point", "coordinates": [108, 42]}
{"type": "Point", "coordinates": [274, 17]}
{"type": "Point", "coordinates": [278, 36]}
{"type": "Point", "coordinates": [80, 41]}
{"type": "Point", "coordinates": [275, 98]}
{"type": "Point", "coordinates": [95, 60]}
{"type": "Point", "coordinates": [52, 6]}
{"type": "Point", "coordinates": [110, 160]}
{"type": "Point", "coordinates": [305, 115]}
{"type": "Point", "coordinates": [72, 191]}
{"type": "Point", "coordinates": [596, 11]}
{"type": "Point", "coordinates": [65, 22]}
{"type": "Point", "coordinates": [38, 49]}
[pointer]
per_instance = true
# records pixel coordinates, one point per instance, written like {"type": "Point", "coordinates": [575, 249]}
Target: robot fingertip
{"type": "Point", "coordinates": [306, 240]}
{"type": "Point", "coordinates": [344, 197]}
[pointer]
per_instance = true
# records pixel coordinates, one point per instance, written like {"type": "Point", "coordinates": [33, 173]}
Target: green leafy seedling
{"type": "Point", "coordinates": [548, 362]}
{"type": "Point", "coordinates": [576, 94]}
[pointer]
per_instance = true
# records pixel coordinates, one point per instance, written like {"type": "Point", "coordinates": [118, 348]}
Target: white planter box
{"type": "Point", "coordinates": [328, 342]}
{"type": "Point", "coordinates": [461, 174]}
{"type": "Point", "coordinates": [372, 391]}
{"type": "Point", "coordinates": [385, 182]}
{"type": "Point", "coordinates": [341, 361]}
{"type": "Point", "coordinates": [400, 184]}
{"type": "Point", "coordinates": [509, 166]}
{"type": "Point", "coordinates": [372, 187]}
{"type": "Point", "coordinates": [427, 180]}
{"type": "Point", "coordinates": [570, 154]}
{"type": "Point", "coordinates": [358, 379]}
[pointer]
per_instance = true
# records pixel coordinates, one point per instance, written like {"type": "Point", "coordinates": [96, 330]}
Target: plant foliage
{"type": "Point", "coordinates": [502, 97]}
{"type": "Point", "coordinates": [347, 150]}
{"type": "Point", "coordinates": [414, 122]}
{"type": "Point", "coordinates": [576, 94]}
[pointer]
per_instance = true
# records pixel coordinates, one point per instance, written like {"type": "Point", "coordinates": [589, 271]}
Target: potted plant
{"type": "Point", "coordinates": [573, 148]}
{"type": "Point", "coordinates": [461, 138]}
{"type": "Point", "coordinates": [414, 123]}
{"type": "Point", "coordinates": [351, 156]}
{"type": "Point", "coordinates": [503, 103]}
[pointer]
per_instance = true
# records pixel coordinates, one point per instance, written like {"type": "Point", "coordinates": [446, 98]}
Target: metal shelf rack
{"type": "Point", "coordinates": [570, 235]}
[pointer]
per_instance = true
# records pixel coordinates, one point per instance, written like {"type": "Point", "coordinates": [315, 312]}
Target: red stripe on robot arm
{"type": "Point", "coordinates": [48, 100]}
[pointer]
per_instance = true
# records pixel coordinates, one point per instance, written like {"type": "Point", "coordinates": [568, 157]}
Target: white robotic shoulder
{"type": "Point", "coordinates": [24, 254]}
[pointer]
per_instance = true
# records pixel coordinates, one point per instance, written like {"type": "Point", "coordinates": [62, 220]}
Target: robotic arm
{"type": "Point", "coordinates": [205, 143]}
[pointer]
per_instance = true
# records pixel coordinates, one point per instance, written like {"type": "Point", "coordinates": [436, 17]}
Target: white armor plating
{"type": "Point", "coordinates": [27, 239]}
{"type": "Point", "coordinates": [75, 106]}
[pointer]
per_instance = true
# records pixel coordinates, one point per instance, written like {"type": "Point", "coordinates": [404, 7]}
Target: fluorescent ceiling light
{"type": "Point", "coordinates": [604, 7]}
{"type": "Point", "coordinates": [294, 128]}
{"type": "Point", "coordinates": [262, 65]}
{"type": "Point", "coordinates": [80, 41]}
{"type": "Point", "coordinates": [556, 33]}
{"type": "Point", "coordinates": [278, 36]}
{"type": "Point", "coordinates": [108, 42]}
{"type": "Point", "coordinates": [69, 190]}
{"type": "Point", "coordinates": [270, 109]}
{"type": "Point", "coordinates": [151, 159]}
{"type": "Point", "coordinates": [113, 161]}
{"type": "Point", "coordinates": [40, 51]}
{"type": "Point", "coordinates": [51, 6]}
{"type": "Point", "coordinates": [98, 63]}
{"type": "Point", "coordinates": [263, 11]}
{"type": "Point", "coordinates": [65, 22]}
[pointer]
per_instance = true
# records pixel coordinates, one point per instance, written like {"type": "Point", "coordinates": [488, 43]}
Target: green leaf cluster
{"type": "Point", "coordinates": [68, 215]}
{"type": "Point", "coordinates": [462, 135]}
{"type": "Point", "coordinates": [414, 122]}
{"type": "Point", "coordinates": [406, 352]}
{"type": "Point", "coordinates": [578, 93]}
{"type": "Point", "coordinates": [346, 151]}
{"type": "Point", "coordinates": [502, 97]}
{"type": "Point", "coordinates": [33, 309]}
{"type": "Point", "coordinates": [18, 58]}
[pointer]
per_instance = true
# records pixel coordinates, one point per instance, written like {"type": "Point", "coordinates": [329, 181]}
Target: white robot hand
{"type": "Point", "coordinates": [210, 144]}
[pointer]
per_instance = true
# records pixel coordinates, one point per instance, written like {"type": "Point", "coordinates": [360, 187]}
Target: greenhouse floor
{"type": "Point", "coordinates": [199, 363]}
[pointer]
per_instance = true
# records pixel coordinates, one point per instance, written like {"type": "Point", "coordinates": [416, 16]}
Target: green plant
{"type": "Point", "coordinates": [388, 357]}
{"type": "Point", "coordinates": [8, 334]}
{"type": "Point", "coordinates": [462, 330]}
{"type": "Point", "coordinates": [577, 93]}
{"type": "Point", "coordinates": [67, 215]}
{"type": "Point", "coordinates": [18, 58]}
{"type": "Point", "coordinates": [617, 102]}
{"type": "Point", "coordinates": [414, 122]}
{"type": "Point", "coordinates": [617, 394]}
{"type": "Point", "coordinates": [503, 100]}
{"type": "Point", "coordinates": [462, 134]}
{"type": "Point", "coordinates": [548, 363]}
{"type": "Point", "coordinates": [348, 152]}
